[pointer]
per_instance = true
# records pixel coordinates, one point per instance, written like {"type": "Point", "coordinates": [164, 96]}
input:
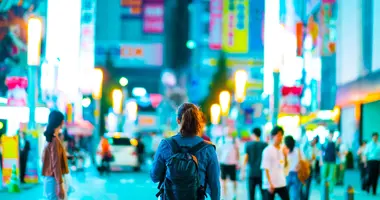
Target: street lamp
{"type": "Point", "coordinates": [34, 56]}
{"type": "Point", "coordinates": [215, 114]}
{"type": "Point", "coordinates": [224, 101]}
{"type": "Point", "coordinates": [132, 111]}
{"type": "Point", "coordinates": [97, 82]}
{"type": "Point", "coordinates": [123, 81]}
{"type": "Point", "coordinates": [117, 98]}
{"type": "Point", "coordinates": [241, 78]}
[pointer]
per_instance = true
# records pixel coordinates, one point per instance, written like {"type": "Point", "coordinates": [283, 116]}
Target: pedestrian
{"type": "Point", "coordinates": [312, 154]}
{"type": "Point", "coordinates": [253, 155]}
{"type": "Point", "coordinates": [229, 156]}
{"type": "Point", "coordinates": [105, 152]}
{"type": "Point", "coordinates": [341, 161]}
{"type": "Point", "coordinates": [330, 154]}
{"type": "Point", "coordinates": [185, 165]}
{"type": "Point", "coordinates": [294, 157]}
{"type": "Point", "coordinates": [24, 152]}
{"type": "Point", "coordinates": [274, 161]}
{"type": "Point", "coordinates": [363, 170]}
{"type": "Point", "coordinates": [372, 158]}
{"type": "Point", "coordinates": [54, 159]}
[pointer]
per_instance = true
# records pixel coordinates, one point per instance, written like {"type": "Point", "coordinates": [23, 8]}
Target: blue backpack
{"type": "Point", "coordinates": [183, 182]}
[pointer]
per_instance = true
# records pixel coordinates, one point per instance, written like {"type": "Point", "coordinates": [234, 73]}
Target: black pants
{"type": "Point", "coordinates": [373, 167]}
{"type": "Point", "coordinates": [282, 192]}
{"type": "Point", "coordinates": [363, 173]}
{"type": "Point", "coordinates": [23, 161]}
{"type": "Point", "coordinates": [252, 183]}
{"type": "Point", "coordinates": [305, 192]}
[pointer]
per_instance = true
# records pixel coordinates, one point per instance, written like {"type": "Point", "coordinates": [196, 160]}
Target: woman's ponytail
{"type": "Point", "coordinates": [191, 119]}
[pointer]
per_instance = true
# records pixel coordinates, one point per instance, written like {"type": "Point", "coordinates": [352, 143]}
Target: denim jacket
{"type": "Point", "coordinates": [207, 159]}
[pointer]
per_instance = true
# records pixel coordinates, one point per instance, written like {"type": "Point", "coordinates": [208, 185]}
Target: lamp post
{"type": "Point", "coordinates": [97, 95]}
{"type": "Point", "coordinates": [224, 101]}
{"type": "Point", "coordinates": [241, 78]}
{"type": "Point", "coordinates": [215, 112]}
{"type": "Point", "coordinates": [34, 56]}
{"type": "Point", "coordinates": [117, 102]}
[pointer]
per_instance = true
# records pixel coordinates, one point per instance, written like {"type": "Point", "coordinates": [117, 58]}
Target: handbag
{"type": "Point", "coordinates": [303, 169]}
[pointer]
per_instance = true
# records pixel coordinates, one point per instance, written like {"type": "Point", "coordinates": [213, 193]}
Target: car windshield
{"type": "Point", "coordinates": [120, 141]}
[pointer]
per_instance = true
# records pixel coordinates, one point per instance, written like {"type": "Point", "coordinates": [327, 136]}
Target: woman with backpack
{"type": "Point", "coordinates": [185, 165]}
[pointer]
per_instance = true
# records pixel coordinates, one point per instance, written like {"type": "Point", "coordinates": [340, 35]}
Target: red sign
{"type": "Point", "coordinates": [216, 16]}
{"type": "Point", "coordinates": [291, 100]}
{"type": "Point", "coordinates": [153, 18]}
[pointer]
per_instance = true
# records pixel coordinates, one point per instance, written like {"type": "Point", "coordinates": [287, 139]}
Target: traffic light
{"type": "Point", "coordinates": [3, 126]}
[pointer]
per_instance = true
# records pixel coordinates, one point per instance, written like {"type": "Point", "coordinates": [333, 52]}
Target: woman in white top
{"type": "Point", "coordinates": [294, 155]}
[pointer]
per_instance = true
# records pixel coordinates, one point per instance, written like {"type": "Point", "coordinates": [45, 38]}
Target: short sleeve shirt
{"type": "Point", "coordinates": [273, 160]}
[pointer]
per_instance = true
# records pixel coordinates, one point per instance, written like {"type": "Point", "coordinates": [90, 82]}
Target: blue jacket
{"type": "Point", "coordinates": [207, 159]}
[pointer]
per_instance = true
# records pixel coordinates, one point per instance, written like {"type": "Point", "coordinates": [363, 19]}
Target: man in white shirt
{"type": "Point", "coordinates": [274, 162]}
{"type": "Point", "coordinates": [372, 162]}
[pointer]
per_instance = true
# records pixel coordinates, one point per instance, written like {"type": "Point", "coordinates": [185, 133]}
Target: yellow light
{"type": "Point", "coordinates": [224, 101]}
{"type": "Point", "coordinates": [132, 110]}
{"type": "Point", "coordinates": [97, 80]}
{"type": "Point", "coordinates": [215, 113]}
{"type": "Point", "coordinates": [117, 97]}
{"type": "Point", "coordinates": [1, 125]}
{"type": "Point", "coordinates": [123, 81]}
{"type": "Point", "coordinates": [34, 41]}
{"type": "Point", "coordinates": [134, 142]}
{"type": "Point", "coordinates": [241, 78]}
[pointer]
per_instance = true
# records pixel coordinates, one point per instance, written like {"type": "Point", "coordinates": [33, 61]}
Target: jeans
{"type": "Point", "coordinates": [306, 188]}
{"type": "Point", "coordinates": [373, 167]}
{"type": "Point", "coordinates": [340, 169]}
{"type": "Point", "coordinates": [328, 174]}
{"type": "Point", "coordinates": [294, 186]}
{"type": "Point", "coordinates": [252, 183]}
{"type": "Point", "coordinates": [50, 188]}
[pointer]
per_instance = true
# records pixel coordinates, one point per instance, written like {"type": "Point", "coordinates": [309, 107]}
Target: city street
{"type": "Point", "coordinates": [130, 185]}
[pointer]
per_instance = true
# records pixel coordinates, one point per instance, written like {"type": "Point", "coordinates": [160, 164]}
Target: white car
{"type": "Point", "coordinates": [124, 151]}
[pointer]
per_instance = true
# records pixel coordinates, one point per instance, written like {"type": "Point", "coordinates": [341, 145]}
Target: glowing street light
{"type": "Point", "coordinates": [224, 101]}
{"type": "Point", "coordinates": [241, 78]}
{"type": "Point", "coordinates": [123, 81]}
{"type": "Point", "coordinates": [132, 110]}
{"type": "Point", "coordinates": [117, 99]}
{"type": "Point", "coordinates": [33, 61]}
{"type": "Point", "coordinates": [97, 82]}
{"type": "Point", "coordinates": [215, 114]}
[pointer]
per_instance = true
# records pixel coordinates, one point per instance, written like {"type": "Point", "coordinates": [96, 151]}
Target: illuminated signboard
{"type": "Point", "coordinates": [216, 16]}
{"type": "Point", "coordinates": [131, 8]}
{"type": "Point", "coordinates": [130, 54]}
{"type": "Point", "coordinates": [153, 18]}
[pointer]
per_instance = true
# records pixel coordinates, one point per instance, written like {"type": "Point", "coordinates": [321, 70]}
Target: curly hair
{"type": "Point", "coordinates": [191, 119]}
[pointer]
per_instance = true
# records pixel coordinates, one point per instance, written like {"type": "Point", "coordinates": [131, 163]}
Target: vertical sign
{"type": "Point", "coordinates": [235, 28]}
{"type": "Point", "coordinates": [87, 40]}
{"type": "Point", "coordinates": [131, 8]}
{"type": "Point", "coordinates": [10, 157]}
{"type": "Point", "coordinates": [153, 17]}
{"type": "Point", "coordinates": [216, 16]}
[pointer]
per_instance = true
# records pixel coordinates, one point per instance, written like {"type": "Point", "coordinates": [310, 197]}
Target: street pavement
{"type": "Point", "coordinates": [132, 185]}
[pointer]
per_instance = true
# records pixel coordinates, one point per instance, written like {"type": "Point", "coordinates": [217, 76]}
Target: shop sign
{"type": "Point", "coordinates": [216, 17]}
{"type": "Point", "coordinates": [291, 100]}
{"type": "Point", "coordinates": [236, 26]}
{"type": "Point", "coordinates": [131, 8]}
{"type": "Point", "coordinates": [10, 155]}
{"type": "Point", "coordinates": [153, 18]}
{"type": "Point", "coordinates": [130, 54]}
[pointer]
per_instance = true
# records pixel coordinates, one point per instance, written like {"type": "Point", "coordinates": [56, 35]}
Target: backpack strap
{"type": "Point", "coordinates": [174, 145]}
{"type": "Point", "coordinates": [193, 150]}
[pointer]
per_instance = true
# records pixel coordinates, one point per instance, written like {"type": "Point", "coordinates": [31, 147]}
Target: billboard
{"type": "Point", "coordinates": [216, 17]}
{"type": "Point", "coordinates": [153, 18]}
{"type": "Point", "coordinates": [130, 54]}
{"type": "Point", "coordinates": [235, 26]}
{"type": "Point", "coordinates": [131, 8]}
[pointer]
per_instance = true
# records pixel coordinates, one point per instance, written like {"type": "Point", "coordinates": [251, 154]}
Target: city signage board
{"type": "Point", "coordinates": [130, 54]}
{"type": "Point", "coordinates": [235, 26]}
{"type": "Point", "coordinates": [216, 17]}
{"type": "Point", "coordinates": [153, 18]}
{"type": "Point", "coordinates": [131, 8]}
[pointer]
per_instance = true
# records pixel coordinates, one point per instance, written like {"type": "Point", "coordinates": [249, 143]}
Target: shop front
{"type": "Point", "coordinates": [360, 105]}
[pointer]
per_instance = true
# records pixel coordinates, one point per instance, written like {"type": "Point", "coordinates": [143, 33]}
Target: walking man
{"type": "Point", "coordinates": [372, 162]}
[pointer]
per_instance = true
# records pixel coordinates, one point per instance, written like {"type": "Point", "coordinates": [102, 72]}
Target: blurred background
{"type": "Point", "coordinates": [120, 68]}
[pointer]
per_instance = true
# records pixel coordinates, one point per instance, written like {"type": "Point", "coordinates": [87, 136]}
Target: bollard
{"type": "Point", "coordinates": [325, 191]}
{"type": "Point", "coordinates": [350, 193]}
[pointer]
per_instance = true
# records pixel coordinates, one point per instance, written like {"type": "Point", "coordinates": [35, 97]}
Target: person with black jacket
{"type": "Point", "coordinates": [24, 151]}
